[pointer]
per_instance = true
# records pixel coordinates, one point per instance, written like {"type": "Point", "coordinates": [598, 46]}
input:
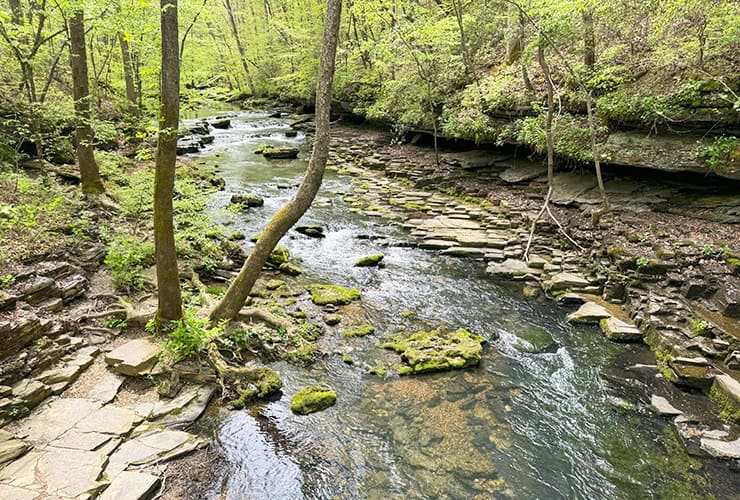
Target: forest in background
{"type": "Point", "coordinates": [469, 69]}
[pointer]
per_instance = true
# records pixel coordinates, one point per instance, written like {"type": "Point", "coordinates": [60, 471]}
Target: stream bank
{"type": "Point", "coordinates": [504, 406]}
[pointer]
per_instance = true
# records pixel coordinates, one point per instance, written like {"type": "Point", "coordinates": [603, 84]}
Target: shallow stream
{"type": "Point", "coordinates": [521, 425]}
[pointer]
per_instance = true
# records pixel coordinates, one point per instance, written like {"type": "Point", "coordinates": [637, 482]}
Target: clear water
{"type": "Point", "coordinates": [520, 425]}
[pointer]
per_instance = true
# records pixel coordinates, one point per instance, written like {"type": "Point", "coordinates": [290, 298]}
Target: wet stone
{"type": "Point", "coordinates": [662, 406]}
{"type": "Point", "coordinates": [620, 331]}
{"type": "Point", "coordinates": [590, 312]}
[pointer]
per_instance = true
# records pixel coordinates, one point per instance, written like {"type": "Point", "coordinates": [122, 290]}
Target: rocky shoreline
{"type": "Point", "coordinates": [681, 297]}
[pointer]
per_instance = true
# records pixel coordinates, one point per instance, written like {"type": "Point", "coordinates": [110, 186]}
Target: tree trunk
{"type": "Point", "coordinates": [128, 75]}
{"type": "Point", "coordinates": [239, 46]}
{"type": "Point", "coordinates": [589, 39]}
{"type": "Point", "coordinates": [89, 173]}
{"type": "Point", "coordinates": [281, 223]}
{"type": "Point", "coordinates": [548, 118]}
{"type": "Point", "coordinates": [168, 281]}
{"type": "Point", "coordinates": [605, 207]}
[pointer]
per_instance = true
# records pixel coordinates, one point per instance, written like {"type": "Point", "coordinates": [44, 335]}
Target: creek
{"type": "Point", "coordinates": [526, 425]}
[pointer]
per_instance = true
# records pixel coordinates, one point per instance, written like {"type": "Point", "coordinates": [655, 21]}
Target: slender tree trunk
{"type": "Point", "coordinates": [168, 281]}
{"type": "Point", "coordinates": [281, 223]}
{"type": "Point", "coordinates": [548, 119]}
{"type": "Point", "coordinates": [595, 151]}
{"type": "Point", "coordinates": [239, 46]}
{"type": "Point", "coordinates": [589, 39]}
{"type": "Point", "coordinates": [128, 75]}
{"type": "Point", "coordinates": [89, 173]}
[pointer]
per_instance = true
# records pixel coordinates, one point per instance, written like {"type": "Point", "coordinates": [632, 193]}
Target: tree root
{"type": "Point", "coordinates": [247, 383]}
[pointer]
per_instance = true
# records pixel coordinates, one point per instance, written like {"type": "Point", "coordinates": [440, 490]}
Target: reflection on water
{"type": "Point", "coordinates": [520, 425]}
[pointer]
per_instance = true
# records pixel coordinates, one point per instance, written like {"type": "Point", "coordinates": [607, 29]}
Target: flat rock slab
{"type": "Point", "coordinates": [195, 399]}
{"type": "Point", "coordinates": [590, 312]}
{"type": "Point", "coordinates": [10, 448]}
{"type": "Point", "coordinates": [159, 446]}
{"type": "Point", "coordinates": [76, 440]}
{"type": "Point", "coordinates": [134, 358]}
{"type": "Point", "coordinates": [109, 420]}
{"type": "Point", "coordinates": [57, 418]}
{"type": "Point", "coordinates": [721, 449]}
{"type": "Point", "coordinates": [620, 331]}
{"type": "Point", "coordinates": [566, 281]}
{"type": "Point", "coordinates": [568, 186]}
{"type": "Point", "coordinates": [509, 267]}
{"type": "Point", "coordinates": [56, 472]}
{"type": "Point", "coordinates": [131, 485]}
{"type": "Point", "coordinates": [105, 390]}
{"type": "Point", "coordinates": [521, 171]}
{"type": "Point", "coordinates": [663, 407]}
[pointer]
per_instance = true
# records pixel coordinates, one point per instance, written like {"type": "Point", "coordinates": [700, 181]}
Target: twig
{"type": "Point", "coordinates": [562, 230]}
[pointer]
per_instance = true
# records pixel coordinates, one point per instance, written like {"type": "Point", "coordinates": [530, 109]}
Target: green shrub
{"type": "Point", "coordinates": [189, 336]}
{"type": "Point", "coordinates": [127, 257]}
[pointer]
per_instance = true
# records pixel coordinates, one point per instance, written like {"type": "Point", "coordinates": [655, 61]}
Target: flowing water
{"type": "Point", "coordinates": [520, 425]}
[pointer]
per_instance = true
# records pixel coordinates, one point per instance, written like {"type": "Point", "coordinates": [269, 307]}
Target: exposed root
{"type": "Point", "coordinates": [247, 383]}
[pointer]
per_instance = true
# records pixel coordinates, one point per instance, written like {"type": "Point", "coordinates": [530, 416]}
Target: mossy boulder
{"type": "Point", "coordinates": [275, 153]}
{"type": "Point", "coordinates": [332, 319]}
{"type": "Point", "coordinates": [535, 340]}
{"type": "Point", "coordinates": [279, 256]}
{"type": "Point", "coordinates": [370, 260]}
{"type": "Point", "coordinates": [332, 294]}
{"type": "Point", "coordinates": [311, 399]}
{"type": "Point", "coordinates": [436, 350]}
{"type": "Point", "coordinates": [274, 284]}
{"type": "Point", "coordinates": [312, 231]}
{"type": "Point", "coordinates": [248, 200]}
{"type": "Point", "coordinates": [290, 269]}
{"type": "Point", "coordinates": [360, 331]}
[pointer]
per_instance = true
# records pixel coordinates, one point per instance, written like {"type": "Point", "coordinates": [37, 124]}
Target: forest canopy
{"type": "Point", "coordinates": [459, 65]}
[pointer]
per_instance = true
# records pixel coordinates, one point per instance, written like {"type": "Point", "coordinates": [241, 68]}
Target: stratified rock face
{"type": "Point", "coordinates": [669, 153]}
{"type": "Point", "coordinates": [436, 350]}
{"type": "Point", "coordinates": [134, 358]}
{"type": "Point", "coordinates": [312, 399]}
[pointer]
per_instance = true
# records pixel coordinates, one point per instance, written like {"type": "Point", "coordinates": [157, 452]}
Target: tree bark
{"type": "Point", "coordinates": [281, 223]}
{"type": "Point", "coordinates": [589, 39]}
{"type": "Point", "coordinates": [168, 281]}
{"type": "Point", "coordinates": [128, 75]}
{"type": "Point", "coordinates": [548, 119]}
{"type": "Point", "coordinates": [239, 46]}
{"type": "Point", "coordinates": [89, 173]}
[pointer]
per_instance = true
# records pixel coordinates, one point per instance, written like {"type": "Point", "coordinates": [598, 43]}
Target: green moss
{"type": "Point", "coordinates": [378, 370]}
{"type": "Point", "coordinates": [437, 350]}
{"type": "Point", "coordinates": [237, 236]}
{"type": "Point", "coordinates": [279, 256]}
{"type": "Point", "coordinates": [290, 269]}
{"type": "Point", "coordinates": [311, 399]}
{"type": "Point", "coordinates": [275, 284]}
{"type": "Point", "coordinates": [408, 314]}
{"type": "Point", "coordinates": [617, 252]}
{"type": "Point", "coordinates": [346, 358]}
{"type": "Point", "coordinates": [255, 238]}
{"type": "Point", "coordinates": [303, 355]}
{"type": "Point", "coordinates": [360, 331]}
{"type": "Point", "coordinates": [258, 384]}
{"type": "Point", "coordinates": [417, 206]}
{"type": "Point", "coordinates": [729, 408]}
{"type": "Point", "coordinates": [405, 370]}
{"type": "Point", "coordinates": [370, 260]}
{"type": "Point", "coordinates": [332, 294]}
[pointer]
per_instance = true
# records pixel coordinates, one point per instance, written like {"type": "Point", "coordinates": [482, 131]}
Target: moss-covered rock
{"type": "Point", "coordinates": [370, 260]}
{"type": "Point", "coordinates": [290, 269]}
{"type": "Point", "coordinates": [311, 399]}
{"type": "Point", "coordinates": [247, 200]}
{"type": "Point", "coordinates": [725, 393]}
{"type": "Point", "coordinates": [535, 340]}
{"type": "Point", "coordinates": [257, 384]}
{"type": "Point", "coordinates": [360, 331]}
{"type": "Point", "coordinates": [322, 294]}
{"type": "Point", "coordinates": [436, 350]}
{"type": "Point", "coordinates": [279, 256]}
{"type": "Point", "coordinates": [274, 284]}
{"type": "Point", "coordinates": [332, 319]}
